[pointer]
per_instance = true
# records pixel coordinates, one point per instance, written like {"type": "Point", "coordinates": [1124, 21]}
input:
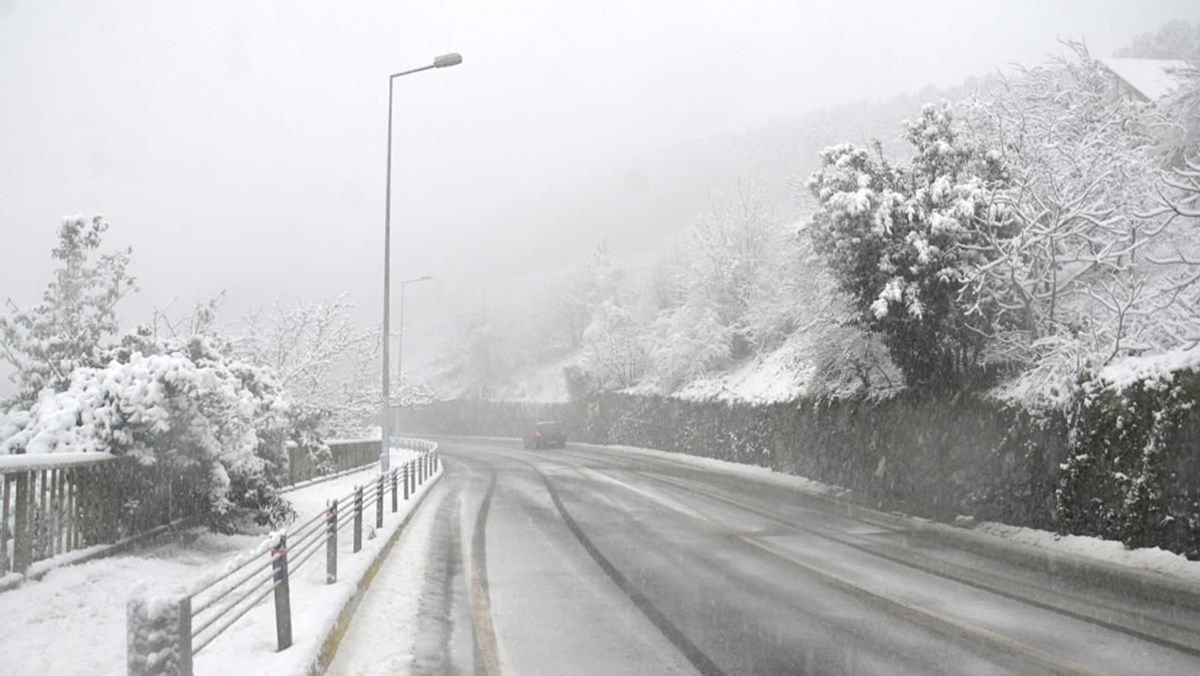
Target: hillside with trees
{"type": "Point", "coordinates": [1016, 235]}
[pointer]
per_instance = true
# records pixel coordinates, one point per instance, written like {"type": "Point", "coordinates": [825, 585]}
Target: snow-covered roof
{"type": "Point", "coordinates": [1151, 78]}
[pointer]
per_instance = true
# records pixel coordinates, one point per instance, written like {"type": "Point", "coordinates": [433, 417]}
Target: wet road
{"type": "Point", "coordinates": [595, 561]}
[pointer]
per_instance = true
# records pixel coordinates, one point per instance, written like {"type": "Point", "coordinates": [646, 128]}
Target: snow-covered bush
{"type": "Point", "coordinates": [903, 242]}
{"type": "Point", "coordinates": [180, 404]}
{"type": "Point", "coordinates": [848, 363]}
{"type": "Point", "coordinates": [45, 343]}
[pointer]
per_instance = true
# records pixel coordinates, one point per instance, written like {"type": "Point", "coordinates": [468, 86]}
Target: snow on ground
{"type": "Point", "coordinates": [778, 376]}
{"type": "Point", "coordinates": [73, 620]}
{"type": "Point", "coordinates": [1149, 558]}
{"type": "Point", "coordinates": [381, 639]}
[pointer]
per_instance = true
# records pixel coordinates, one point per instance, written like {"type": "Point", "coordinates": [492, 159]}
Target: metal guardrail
{"type": "Point", "coordinates": [165, 634]}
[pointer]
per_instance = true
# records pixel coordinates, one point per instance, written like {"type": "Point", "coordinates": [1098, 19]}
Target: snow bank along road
{"type": "Point", "coordinates": [597, 561]}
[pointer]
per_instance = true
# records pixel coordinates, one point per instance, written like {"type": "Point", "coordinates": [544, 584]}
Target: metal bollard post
{"type": "Point", "coordinates": [404, 477]}
{"type": "Point", "coordinates": [283, 603]}
{"type": "Point", "coordinates": [331, 517]}
{"type": "Point", "coordinates": [379, 501]}
{"type": "Point", "coordinates": [358, 504]}
{"type": "Point", "coordinates": [395, 505]}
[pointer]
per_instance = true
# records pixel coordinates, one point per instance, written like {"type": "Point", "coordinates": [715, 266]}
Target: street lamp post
{"type": "Point", "coordinates": [400, 337]}
{"type": "Point", "coordinates": [443, 61]}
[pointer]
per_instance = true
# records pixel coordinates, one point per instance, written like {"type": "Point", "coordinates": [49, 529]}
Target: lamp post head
{"type": "Point", "coordinates": [446, 60]}
{"type": "Point", "coordinates": [425, 278]}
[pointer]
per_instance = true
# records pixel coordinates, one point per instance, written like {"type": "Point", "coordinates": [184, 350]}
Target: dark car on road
{"type": "Point", "coordinates": [547, 434]}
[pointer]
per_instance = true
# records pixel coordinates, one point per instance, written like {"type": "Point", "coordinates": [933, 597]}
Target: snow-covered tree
{"type": "Point", "coordinates": [45, 343]}
{"type": "Point", "coordinates": [1177, 126]}
{"type": "Point", "coordinates": [324, 361]}
{"type": "Point", "coordinates": [614, 354]}
{"type": "Point", "coordinates": [688, 342]}
{"type": "Point", "coordinates": [903, 242]}
{"type": "Point", "coordinates": [728, 294]}
{"type": "Point", "coordinates": [570, 311]}
{"type": "Point", "coordinates": [735, 268]}
{"type": "Point", "coordinates": [1088, 268]}
{"type": "Point", "coordinates": [1176, 39]}
{"type": "Point", "coordinates": [486, 359]}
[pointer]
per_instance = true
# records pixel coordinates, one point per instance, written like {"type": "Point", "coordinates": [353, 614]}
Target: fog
{"type": "Point", "coordinates": [240, 146]}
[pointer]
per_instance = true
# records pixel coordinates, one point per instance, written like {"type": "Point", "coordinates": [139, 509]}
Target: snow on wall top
{"type": "Point", "coordinates": [1152, 78]}
{"type": "Point", "coordinates": [1124, 373]}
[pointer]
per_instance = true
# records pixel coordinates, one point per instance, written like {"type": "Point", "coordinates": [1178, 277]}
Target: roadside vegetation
{"type": "Point", "coordinates": [1029, 240]}
{"type": "Point", "coordinates": [211, 407]}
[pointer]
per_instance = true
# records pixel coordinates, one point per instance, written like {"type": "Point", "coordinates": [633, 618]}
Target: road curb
{"type": "Point", "coordinates": [332, 639]}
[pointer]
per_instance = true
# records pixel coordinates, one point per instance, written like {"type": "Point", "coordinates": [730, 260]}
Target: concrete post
{"type": "Point", "coordinates": [158, 635]}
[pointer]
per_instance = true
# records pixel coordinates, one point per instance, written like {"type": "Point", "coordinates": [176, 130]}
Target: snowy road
{"type": "Point", "coordinates": [596, 561]}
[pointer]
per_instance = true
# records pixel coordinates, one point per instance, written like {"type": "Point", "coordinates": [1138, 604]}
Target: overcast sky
{"type": "Point", "coordinates": [240, 146]}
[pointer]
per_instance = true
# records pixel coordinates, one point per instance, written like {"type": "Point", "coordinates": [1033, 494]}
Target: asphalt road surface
{"type": "Point", "coordinates": [596, 561]}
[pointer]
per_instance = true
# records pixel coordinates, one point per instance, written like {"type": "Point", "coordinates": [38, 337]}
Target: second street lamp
{"type": "Point", "coordinates": [442, 61]}
{"type": "Point", "coordinates": [400, 337]}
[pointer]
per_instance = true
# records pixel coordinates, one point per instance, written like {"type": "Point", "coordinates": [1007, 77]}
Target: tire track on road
{"type": "Point", "coordinates": [691, 651]}
{"type": "Point", "coordinates": [990, 643]}
{"type": "Point", "coordinates": [937, 572]}
{"type": "Point", "coordinates": [487, 647]}
{"type": "Point", "coordinates": [942, 570]}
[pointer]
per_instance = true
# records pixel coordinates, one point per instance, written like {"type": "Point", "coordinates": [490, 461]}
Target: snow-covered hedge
{"type": "Point", "coordinates": [1132, 469]}
{"type": "Point", "coordinates": [180, 404]}
{"type": "Point", "coordinates": [1121, 465]}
